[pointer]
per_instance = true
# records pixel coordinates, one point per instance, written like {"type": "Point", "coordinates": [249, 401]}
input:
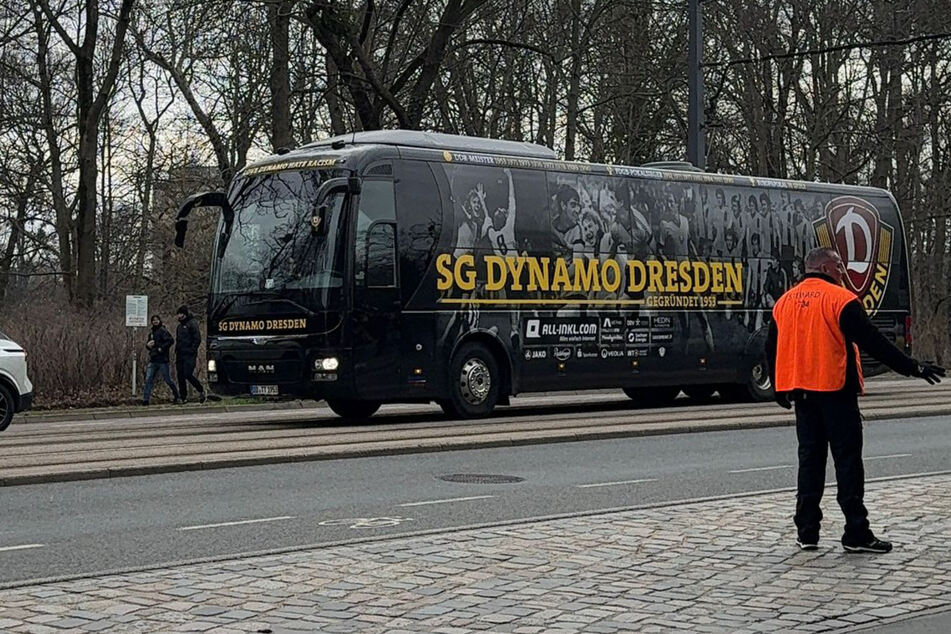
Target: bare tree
{"type": "Point", "coordinates": [91, 104]}
{"type": "Point", "coordinates": [388, 57]}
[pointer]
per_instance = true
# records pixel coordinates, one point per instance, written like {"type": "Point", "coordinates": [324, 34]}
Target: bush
{"type": "Point", "coordinates": [83, 357]}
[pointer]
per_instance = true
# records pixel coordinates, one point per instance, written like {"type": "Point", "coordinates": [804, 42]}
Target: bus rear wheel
{"type": "Point", "coordinates": [351, 409]}
{"type": "Point", "coordinates": [757, 387]}
{"type": "Point", "coordinates": [474, 383]}
{"type": "Point", "coordinates": [652, 396]}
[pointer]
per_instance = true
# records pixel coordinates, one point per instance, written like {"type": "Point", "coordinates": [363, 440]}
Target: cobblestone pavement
{"type": "Point", "coordinates": [727, 565]}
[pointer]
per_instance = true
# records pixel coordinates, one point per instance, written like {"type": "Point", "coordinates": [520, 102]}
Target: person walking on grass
{"type": "Point", "coordinates": [813, 344]}
{"type": "Point", "coordinates": [188, 338]}
{"type": "Point", "coordinates": [159, 345]}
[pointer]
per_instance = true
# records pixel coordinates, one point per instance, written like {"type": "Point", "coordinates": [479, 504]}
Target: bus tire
{"type": "Point", "coordinates": [756, 388]}
{"type": "Point", "coordinates": [652, 396]}
{"type": "Point", "coordinates": [352, 409]}
{"type": "Point", "coordinates": [701, 393]}
{"type": "Point", "coordinates": [475, 382]}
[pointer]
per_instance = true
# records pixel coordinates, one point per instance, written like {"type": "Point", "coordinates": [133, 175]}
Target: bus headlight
{"type": "Point", "coordinates": [212, 366]}
{"type": "Point", "coordinates": [330, 364]}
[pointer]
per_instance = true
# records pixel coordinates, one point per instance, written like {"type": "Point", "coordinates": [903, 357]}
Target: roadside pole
{"type": "Point", "coordinates": [696, 146]}
{"type": "Point", "coordinates": [136, 316]}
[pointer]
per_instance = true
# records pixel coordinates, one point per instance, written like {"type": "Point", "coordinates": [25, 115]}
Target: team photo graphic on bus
{"type": "Point", "coordinates": [406, 266]}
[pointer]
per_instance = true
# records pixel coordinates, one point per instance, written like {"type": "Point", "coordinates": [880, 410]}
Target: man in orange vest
{"type": "Point", "coordinates": [812, 347]}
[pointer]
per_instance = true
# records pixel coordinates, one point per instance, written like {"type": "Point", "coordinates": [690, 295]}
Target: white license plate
{"type": "Point", "coordinates": [264, 390]}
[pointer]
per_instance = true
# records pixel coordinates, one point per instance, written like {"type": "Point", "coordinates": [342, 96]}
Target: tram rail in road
{"type": "Point", "coordinates": [77, 450]}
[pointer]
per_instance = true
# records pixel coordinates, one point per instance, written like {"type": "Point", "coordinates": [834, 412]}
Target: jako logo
{"type": "Point", "coordinates": [854, 228]}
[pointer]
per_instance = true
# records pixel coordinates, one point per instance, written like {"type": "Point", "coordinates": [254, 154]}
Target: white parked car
{"type": "Point", "coordinates": [16, 391]}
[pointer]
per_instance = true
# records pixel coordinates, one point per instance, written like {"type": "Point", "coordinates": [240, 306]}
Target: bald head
{"type": "Point", "coordinates": [817, 257]}
{"type": "Point", "coordinates": [825, 261]}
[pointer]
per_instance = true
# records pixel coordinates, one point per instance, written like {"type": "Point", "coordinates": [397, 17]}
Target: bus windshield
{"type": "Point", "coordinates": [272, 248]}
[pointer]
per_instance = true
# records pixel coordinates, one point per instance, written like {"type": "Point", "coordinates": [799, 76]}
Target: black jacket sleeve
{"type": "Point", "coordinates": [164, 341]}
{"type": "Point", "coordinates": [771, 337]}
{"type": "Point", "coordinates": [858, 328]}
{"type": "Point", "coordinates": [196, 334]}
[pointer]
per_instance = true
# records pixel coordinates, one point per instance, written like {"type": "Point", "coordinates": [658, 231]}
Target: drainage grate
{"type": "Point", "coordinates": [480, 478]}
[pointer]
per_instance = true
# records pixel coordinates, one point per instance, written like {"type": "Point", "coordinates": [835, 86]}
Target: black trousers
{"type": "Point", "coordinates": [185, 373]}
{"type": "Point", "coordinates": [830, 420]}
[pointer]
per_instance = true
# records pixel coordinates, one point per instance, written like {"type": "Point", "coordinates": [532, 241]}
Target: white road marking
{"type": "Point", "coordinates": [264, 519]}
{"type": "Point", "coordinates": [894, 455]}
{"type": "Point", "coordinates": [367, 522]}
{"type": "Point", "coordinates": [774, 468]}
{"type": "Point", "coordinates": [611, 484]}
{"type": "Point", "coordinates": [21, 547]}
{"type": "Point", "coordinates": [448, 500]}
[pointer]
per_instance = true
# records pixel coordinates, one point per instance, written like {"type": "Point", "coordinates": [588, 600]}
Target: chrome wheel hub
{"type": "Point", "coordinates": [761, 377]}
{"type": "Point", "coordinates": [475, 381]}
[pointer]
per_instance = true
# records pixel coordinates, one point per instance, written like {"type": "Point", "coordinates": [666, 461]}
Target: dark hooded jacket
{"type": "Point", "coordinates": [187, 336]}
{"type": "Point", "coordinates": [159, 352]}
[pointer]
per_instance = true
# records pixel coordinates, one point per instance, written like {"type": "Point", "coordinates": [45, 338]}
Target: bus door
{"type": "Point", "coordinates": [376, 297]}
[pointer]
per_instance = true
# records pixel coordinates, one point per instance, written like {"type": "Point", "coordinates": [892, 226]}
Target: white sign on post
{"type": "Point", "coordinates": [137, 311]}
{"type": "Point", "coordinates": [136, 316]}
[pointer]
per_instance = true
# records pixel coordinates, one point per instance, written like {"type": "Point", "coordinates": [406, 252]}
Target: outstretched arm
{"type": "Point", "coordinates": [857, 327]}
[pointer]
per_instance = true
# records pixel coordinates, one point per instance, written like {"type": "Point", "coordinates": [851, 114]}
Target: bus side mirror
{"type": "Point", "coordinates": [203, 199]}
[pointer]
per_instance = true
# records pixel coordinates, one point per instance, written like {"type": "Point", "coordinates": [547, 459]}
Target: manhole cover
{"type": "Point", "coordinates": [480, 478]}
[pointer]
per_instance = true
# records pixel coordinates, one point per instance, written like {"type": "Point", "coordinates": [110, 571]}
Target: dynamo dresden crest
{"type": "Point", "coordinates": [854, 228]}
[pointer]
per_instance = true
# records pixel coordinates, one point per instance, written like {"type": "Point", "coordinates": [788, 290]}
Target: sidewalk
{"type": "Point", "coordinates": [726, 565]}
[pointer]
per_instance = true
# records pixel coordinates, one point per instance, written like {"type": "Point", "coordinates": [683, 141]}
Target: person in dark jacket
{"type": "Point", "coordinates": [188, 338]}
{"type": "Point", "coordinates": [159, 345]}
{"type": "Point", "coordinates": [814, 339]}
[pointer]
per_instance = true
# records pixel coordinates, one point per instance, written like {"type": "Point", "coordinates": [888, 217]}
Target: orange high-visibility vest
{"type": "Point", "coordinates": [811, 350]}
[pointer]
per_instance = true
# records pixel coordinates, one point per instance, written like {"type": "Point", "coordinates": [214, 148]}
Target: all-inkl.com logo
{"type": "Point", "coordinates": [854, 228]}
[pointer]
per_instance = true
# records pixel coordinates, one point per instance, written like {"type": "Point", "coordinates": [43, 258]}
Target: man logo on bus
{"type": "Point", "coordinates": [854, 228]}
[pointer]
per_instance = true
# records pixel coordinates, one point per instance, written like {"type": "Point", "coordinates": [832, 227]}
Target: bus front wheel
{"type": "Point", "coordinates": [474, 383]}
{"type": "Point", "coordinates": [353, 410]}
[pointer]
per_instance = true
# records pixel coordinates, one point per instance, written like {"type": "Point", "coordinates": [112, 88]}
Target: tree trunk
{"type": "Point", "coordinates": [574, 82]}
{"type": "Point", "coordinates": [63, 221]}
{"type": "Point", "coordinates": [279, 21]}
{"type": "Point", "coordinates": [88, 174]}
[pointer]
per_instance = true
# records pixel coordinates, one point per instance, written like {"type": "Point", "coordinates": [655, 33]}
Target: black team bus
{"type": "Point", "coordinates": [400, 266]}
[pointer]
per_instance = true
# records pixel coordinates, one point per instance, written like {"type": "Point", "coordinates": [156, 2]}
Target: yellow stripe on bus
{"type": "Point", "coordinates": [885, 249]}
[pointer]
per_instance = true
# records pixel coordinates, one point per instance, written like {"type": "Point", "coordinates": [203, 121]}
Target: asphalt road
{"type": "Point", "coordinates": [75, 528]}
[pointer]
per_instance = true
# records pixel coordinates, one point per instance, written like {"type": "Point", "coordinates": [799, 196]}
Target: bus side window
{"type": "Point", "coordinates": [420, 208]}
{"type": "Point", "coordinates": [381, 255]}
{"type": "Point", "coordinates": [376, 206]}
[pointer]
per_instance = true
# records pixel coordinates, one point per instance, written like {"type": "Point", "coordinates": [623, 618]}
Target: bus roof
{"type": "Point", "coordinates": [437, 141]}
{"type": "Point", "coordinates": [530, 155]}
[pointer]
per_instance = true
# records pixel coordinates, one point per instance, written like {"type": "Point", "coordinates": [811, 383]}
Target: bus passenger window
{"type": "Point", "coordinates": [381, 255]}
{"type": "Point", "coordinates": [376, 204]}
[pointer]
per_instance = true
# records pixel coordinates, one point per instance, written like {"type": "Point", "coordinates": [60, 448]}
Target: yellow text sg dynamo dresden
{"type": "Point", "coordinates": [583, 275]}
